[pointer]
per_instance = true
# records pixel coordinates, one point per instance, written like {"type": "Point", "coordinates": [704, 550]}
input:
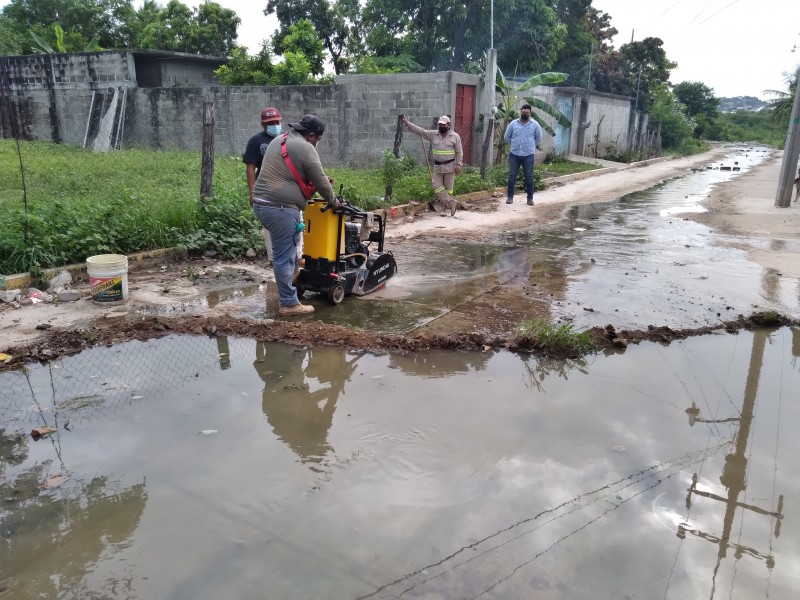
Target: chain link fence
{"type": "Point", "coordinates": [97, 382]}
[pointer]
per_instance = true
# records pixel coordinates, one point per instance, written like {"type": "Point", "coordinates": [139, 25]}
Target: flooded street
{"type": "Point", "coordinates": [633, 262]}
{"type": "Point", "coordinates": [201, 467]}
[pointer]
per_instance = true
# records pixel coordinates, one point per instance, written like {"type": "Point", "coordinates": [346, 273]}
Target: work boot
{"type": "Point", "coordinates": [453, 208]}
{"type": "Point", "coordinates": [530, 201]}
{"type": "Point", "coordinates": [510, 201]}
{"type": "Point", "coordinates": [296, 310]}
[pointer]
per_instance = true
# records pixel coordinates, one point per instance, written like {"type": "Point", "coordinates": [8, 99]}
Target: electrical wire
{"type": "Point", "coordinates": [719, 11]}
{"type": "Point", "coordinates": [697, 16]}
{"type": "Point", "coordinates": [667, 10]}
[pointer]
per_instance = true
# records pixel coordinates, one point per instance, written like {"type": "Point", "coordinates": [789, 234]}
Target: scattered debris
{"type": "Point", "coordinates": [9, 296]}
{"type": "Point", "coordinates": [60, 281]}
{"type": "Point", "coordinates": [68, 296]}
{"type": "Point", "coordinates": [42, 431]}
{"type": "Point", "coordinates": [54, 482]}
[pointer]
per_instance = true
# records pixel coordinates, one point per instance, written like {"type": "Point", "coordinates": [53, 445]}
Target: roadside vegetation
{"type": "Point", "coordinates": [80, 203]}
{"type": "Point", "coordinates": [748, 126]}
{"type": "Point", "coordinates": [554, 340]}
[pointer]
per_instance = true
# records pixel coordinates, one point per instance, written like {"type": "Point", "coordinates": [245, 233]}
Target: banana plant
{"type": "Point", "coordinates": [44, 48]}
{"type": "Point", "coordinates": [512, 95]}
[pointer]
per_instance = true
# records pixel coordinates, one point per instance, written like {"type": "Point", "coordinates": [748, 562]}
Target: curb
{"type": "Point", "coordinates": [21, 280]}
{"type": "Point", "coordinates": [402, 210]}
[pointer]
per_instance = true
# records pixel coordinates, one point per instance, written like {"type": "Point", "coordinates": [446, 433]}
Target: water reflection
{"type": "Point", "coordinates": [55, 531]}
{"type": "Point", "coordinates": [734, 480]}
{"type": "Point", "coordinates": [301, 388]}
{"type": "Point", "coordinates": [439, 364]}
{"type": "Point", "coordinates": [479, 475]}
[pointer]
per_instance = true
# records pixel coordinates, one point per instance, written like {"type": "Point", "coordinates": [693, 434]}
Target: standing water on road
{"type": "Point", "coordinates": [194, 467]}
{"type": "Point", "coordinates": [633, 262]}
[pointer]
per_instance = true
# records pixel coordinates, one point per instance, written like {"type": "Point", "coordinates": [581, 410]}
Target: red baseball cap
{"type": "Point", "coordinates": [270, 114]}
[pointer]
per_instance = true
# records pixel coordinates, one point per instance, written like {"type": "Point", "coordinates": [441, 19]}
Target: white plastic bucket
{"type": "Point", "coordinates": [108, 276]}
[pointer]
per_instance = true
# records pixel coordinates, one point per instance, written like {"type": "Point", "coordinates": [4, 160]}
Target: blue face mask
{"type": "Point", "coordinates": [273, 130]}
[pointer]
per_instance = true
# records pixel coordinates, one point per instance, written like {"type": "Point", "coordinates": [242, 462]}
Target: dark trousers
{"type": "Point", "coordinates": [514, 163]}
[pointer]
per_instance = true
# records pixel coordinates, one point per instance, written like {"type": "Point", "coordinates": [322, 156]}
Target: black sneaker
{"type": "Point", "coordinates": [530, 201]}
{"type": "Point", "coordinates": [510, 201]}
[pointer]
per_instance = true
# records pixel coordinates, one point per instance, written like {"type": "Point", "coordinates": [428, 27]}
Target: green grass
{"type": "Point", "coordinates": [82, 203]}
{"type": "Point", "coordinates": [556, 340]}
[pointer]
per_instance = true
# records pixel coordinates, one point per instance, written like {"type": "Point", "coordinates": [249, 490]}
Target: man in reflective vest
{"type": "Point", "coordinates": [448, 159]}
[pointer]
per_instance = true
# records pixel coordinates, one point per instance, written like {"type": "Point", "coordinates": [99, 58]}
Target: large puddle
{"type": "Point", "coordinates": [195, 467]}
{"type": "Point", "coordinates": [633, 262]}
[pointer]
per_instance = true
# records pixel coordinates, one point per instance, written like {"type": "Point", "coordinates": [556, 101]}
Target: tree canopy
{"type": "Point", "coordinates": [116, 24]}
{"type": "Point", "coordinates": [363, 36]}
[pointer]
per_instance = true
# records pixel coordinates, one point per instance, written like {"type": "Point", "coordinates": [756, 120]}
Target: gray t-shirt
{"type": "Point", "coordinates": [275, 181]}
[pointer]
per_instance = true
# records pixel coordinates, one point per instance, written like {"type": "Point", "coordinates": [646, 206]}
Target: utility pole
{"type": "Point", "coordinates": [791, 151]}
{"type": "Point", "coordinates": [591, 55]}
{"type": "Point", "coordinates": [734, 476]}
{"type": "Point", "coordinates": [490, 79]}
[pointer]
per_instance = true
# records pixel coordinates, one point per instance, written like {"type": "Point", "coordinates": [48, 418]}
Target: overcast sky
{"type": "Point", "coordinates": [736, 47]}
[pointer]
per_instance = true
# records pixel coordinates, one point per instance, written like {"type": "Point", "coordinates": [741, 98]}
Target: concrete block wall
{"type": "Point", "coordinates": [68, 71]}
{"type": "Point", "coordinates": [546, 94]}
{"type": "Point", "coordinates": [51, 97]}
{"type": "Point", "coordinates": [373, 103]}
{"type": "Point", "coordinates": [186, 72]}
{"type": "Point", "coordinates": [613, 134]}
{"type": "Point", "coordinates": [173, 117]}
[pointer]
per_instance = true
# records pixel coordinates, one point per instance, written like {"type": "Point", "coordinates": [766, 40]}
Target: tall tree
{"type": "Point", "coordinates": [208, 29]}
{"type": "Point", "coordinates": [455, 33]}
{"type": "Point", "coordinates": [697, 97]}
{"type": "Point", "coordinates": [530, 35]}
{"type": "Point", "coordinates": [574, 57]}
{"type": "Point", "coordinates": [12, 41]}
{"type": "Point", "coordinates": [645, 67]}
{"type": "Point", "coordinates": [333, 21]}
{"type": "Point", "coordinates": [80, 20]}
{"type": "Point", "coordinates": [303, 40]}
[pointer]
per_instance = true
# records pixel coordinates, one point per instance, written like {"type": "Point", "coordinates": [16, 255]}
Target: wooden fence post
{"type": "Point", "coordinates": [398, 140]}
{"type": "Point", "coordinates": [207, 172]}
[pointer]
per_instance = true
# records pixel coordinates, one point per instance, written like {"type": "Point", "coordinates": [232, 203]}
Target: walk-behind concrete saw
{"type": "Point", "coordinates": [337, 243]}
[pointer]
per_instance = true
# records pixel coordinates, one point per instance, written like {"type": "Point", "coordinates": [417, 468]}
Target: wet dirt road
{"type": "Point", "coordinates": [197, 467]}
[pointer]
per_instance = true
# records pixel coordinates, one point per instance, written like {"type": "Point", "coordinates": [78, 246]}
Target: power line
{"type": "Point", "coordinates": [668, 9]}
{"type": "Point", "coordinates": [697, 16]}
{"type": "Point", "coordinates": [719, 11]}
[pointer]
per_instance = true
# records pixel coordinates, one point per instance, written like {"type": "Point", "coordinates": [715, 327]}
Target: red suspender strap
{"type": "Point", "coordinates": [307, 189]}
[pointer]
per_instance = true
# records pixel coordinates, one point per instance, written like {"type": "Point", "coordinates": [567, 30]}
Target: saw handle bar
{"type": "Point", "coordinates": [338, 201]}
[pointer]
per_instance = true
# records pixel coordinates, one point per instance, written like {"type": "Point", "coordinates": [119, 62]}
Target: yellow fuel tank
{"type": "Point", "coordinates": [321, 232]}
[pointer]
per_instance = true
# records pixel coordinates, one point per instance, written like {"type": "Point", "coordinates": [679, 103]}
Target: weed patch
{"type": "Point", "coordinates": [555, 340]}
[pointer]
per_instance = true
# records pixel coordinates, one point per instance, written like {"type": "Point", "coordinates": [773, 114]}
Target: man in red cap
{"type": "Point", "coordinates": [254, 155]}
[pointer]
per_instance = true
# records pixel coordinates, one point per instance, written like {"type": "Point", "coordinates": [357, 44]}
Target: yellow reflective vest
{"type": "Point", "coordinates": [447, 151]}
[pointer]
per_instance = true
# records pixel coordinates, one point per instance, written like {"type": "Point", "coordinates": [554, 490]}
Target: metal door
{"type": "Point", "coordinates": [563, 134]}
{"type": "Point", "coordinates": [465, 118]}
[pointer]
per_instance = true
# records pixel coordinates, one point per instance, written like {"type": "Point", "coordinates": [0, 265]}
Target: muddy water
{"type": "Point", "coordinates": [632, 262]}
{"type": "Point", "coordinates": [194, 467]}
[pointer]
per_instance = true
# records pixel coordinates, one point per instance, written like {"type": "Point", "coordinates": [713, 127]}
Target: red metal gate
{"type": "Point", "coordinates": [465, 118]}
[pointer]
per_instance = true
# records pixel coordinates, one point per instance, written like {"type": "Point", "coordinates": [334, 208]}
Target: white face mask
{"type": "Point", "coordinates": [273, 130]}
